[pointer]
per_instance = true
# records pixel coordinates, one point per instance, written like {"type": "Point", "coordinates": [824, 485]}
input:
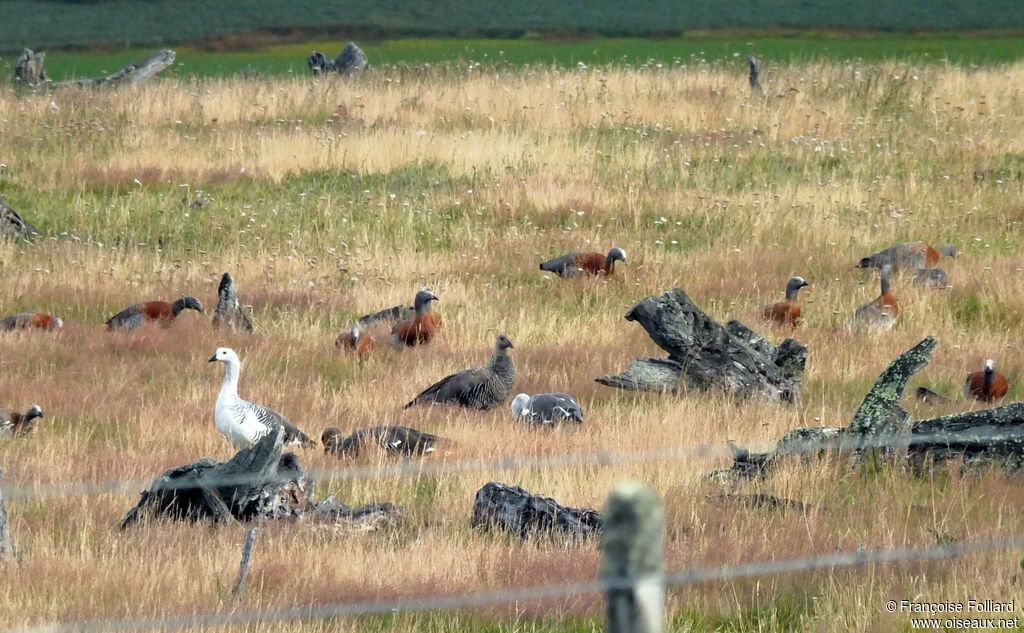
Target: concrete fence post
{"type": "Point", "coordinates": [633, 568]}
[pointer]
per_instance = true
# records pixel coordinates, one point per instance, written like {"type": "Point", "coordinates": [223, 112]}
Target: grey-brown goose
{"type": "Point", "coordinates": [908, 255]}
{"type": "Point", "coordinates": [161, 311]}
{"type": "Point", "coordinates": [398, 439]}
{"type": "Point", "coordinates": [13, 422]}
{"type": "Point", "coordinates": [477, 388]}
{"type": "Point", "coordinates": [594, 263]}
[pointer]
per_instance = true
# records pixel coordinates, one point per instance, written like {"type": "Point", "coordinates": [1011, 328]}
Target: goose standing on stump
{"type": "Point", "coordinates": [355, 341]}
{"type": "Point", "coordinates": [420, 328]}
{"type": "Point", "coordinates": [398, 439]}
{"type": "Point", "coordinates": [547, 408]}
{"type": "Point", "coordinates": [987, 385]}
{"type": "Point", "coordinates": [908, 255]}
{"type": "Point", "coordinates": [573, 264]}
{"type": "Point", "coordinates": [881, 312]}
{"type": "Point", "coordinates": [786, 312]}
{"type": "Point", "coordinates": [243, 423]}
{"type": "Point", "coordinates": [478, 388]}
{"type": "Point", "coordinates": [33, 320]}
{"type": "Point", "coordinates": [14, 423]}
{"type": "Point", "coordinates": [161, 311]}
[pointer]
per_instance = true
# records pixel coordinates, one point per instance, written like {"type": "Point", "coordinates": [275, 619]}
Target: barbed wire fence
{"type": "Point", "coordinates": [639, 582]}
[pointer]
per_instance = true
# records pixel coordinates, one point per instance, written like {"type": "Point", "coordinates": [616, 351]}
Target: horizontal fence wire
{"type": "Point", "coordinates": [419, 467]}
{"type": "Point", "coordinates": [529, 594]}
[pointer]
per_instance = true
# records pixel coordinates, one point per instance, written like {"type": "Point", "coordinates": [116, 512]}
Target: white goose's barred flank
{"type": "Point", "coordinates": [242, 422]}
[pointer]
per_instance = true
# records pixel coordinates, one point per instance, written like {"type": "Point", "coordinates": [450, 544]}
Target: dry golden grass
{"type": "Point", "coordinates": [356, 193]}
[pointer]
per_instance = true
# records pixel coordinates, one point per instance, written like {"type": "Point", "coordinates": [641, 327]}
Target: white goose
{"type": "Point", "coordinates": [242, 422]}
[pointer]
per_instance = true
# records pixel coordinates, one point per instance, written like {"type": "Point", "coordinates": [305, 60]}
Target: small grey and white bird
{"type": "Point", "coordinates": [547, 408]}
{"type": "Point", "coordinates": [14, 423]}
{"type": "Point", "coordinates": [242, 422]}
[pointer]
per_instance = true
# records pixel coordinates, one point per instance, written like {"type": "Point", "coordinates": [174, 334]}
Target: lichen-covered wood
{"type": "Point", "coordinates": [133, 74]}
{"type": "Point", "coordinates": [993, 437]}
{"type": "Point", "coordinates": [29, 69]}
{"type": "Point", "coordinates": [229, 312]}
{"type": "Point", "coordinates": [703, 354]}
{"type": "Point", "coordinates": [349, 61]}
{"type": "Point", "coordinates": [514, 510]}
{"type": "Point", "coordinates": [990, 437]}
{"type": "Point", "coordinates": [13, 225]}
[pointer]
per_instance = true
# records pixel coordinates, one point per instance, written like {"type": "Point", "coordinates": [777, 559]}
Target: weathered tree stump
{"type": "Point", "coordinates": [512, 509]}
{"type": "Point", "coordinates": [704, 355]}
{"type": "Point", "coordinates": [991, 437]}
{"type": "Point", "coordinates": [229, 312]}
{"type": "Point", "coordinates": [257, 483]}
{"type": "Point", "coordinates": [368, 518]}
{"type": "Point", "coordinates": [29, 70]}
{"type": "Point", "coordinates": [349, 61]}
{"type": "Point", "coordinates": [12, 225]}
{"type": "Point", "coordinates": [755, 73]}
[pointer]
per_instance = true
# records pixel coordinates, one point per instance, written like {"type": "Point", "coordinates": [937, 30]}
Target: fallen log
{"type": "Point", "coordinates": [349, 61]}
{"type": "Point", "coordinates": [29, 71]}
{"type": "Point", "coordinates": [513, 510]}
{"type": "Point", "coordinates": [990, 437]}
{"type": "Point", "coordinates": [229, 312]}
{"type": "Point", "coordinates": [12, 225]}
{"type": "Point", "coordinates": [703, 354]}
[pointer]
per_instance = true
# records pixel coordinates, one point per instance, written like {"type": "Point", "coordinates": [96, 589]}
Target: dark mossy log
{"type": "Point", "coordinates": [703, 354]}
{"type": "Point", "coordinates": [229, 312]}
{"type": "Point", "coordinates": [349, 61]}
{"type": "Point", "coordinates": [990, 437]}
{"type": "Point", "coordinates": [12, 225]}
{"type": "Point", "coordinates": [29, 69]}
{"type": "Point", "coordinates": [512, 509]}
{"type": "Point", "coordinates": [259, 482]}
{"type": "Point", "coordinates": [880, 413]}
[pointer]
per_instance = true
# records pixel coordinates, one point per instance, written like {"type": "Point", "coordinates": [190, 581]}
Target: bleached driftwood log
{"type": "Point", "coordinates": [703, 354]}
{"type": "Point", "coordinates": [29, 70]}
{"type": "Point", "coordinates": [349, 61]}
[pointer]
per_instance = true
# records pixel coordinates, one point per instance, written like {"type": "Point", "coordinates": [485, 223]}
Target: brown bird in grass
{"type": "Point", "coordinates": [786, 312]}
{"type": "Point", "coordinates": [15, 423]}
{"type": "Point", "coordinates": [420, 328]}
{"type": "Point", "coordinates": [908, 255]}
{"type": "Point", "coordinates": [987, 385]}
{"type": "Point", "coordinates": [160, 311]}
{"type": "Point", "coordinates": [574, 264]}
{"type": "Point", "coordinates": [397, 439]}
{"type": "Point", "coordinates": [477, 388]}
{"type": "Point", "coordinates": [33, 320]}
{"type": "Point", "coordinates": [355, 341]}
{"type": "Point", "coordinates": [879, 313]}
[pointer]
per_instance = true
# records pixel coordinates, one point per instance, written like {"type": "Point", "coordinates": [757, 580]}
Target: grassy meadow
{"type": "Point", "coordinates": [330, 199]}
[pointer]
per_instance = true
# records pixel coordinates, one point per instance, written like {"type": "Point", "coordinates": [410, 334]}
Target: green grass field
{"type": "Point", "coordinates": [291, 58]}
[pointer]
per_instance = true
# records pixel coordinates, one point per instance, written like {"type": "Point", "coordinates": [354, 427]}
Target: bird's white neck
{"type": "Point", "coordinates": [230, 386]}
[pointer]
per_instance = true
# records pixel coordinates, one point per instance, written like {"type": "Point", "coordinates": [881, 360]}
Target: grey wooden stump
{"type": "Point", "coordinates": [7, 551]}
{"type": "Point", "coordinates": [229, 312]}
{"type": "Point", "coordinates": [633, 569]}
{"type": "Point", "coordinates": [755, 73]}
{"type": "Point", "coordinates": [243, 567]}
{"type": "Point", "coordinates": [12, 225]}
{"type": "Point", "coordinates": [29, 68]}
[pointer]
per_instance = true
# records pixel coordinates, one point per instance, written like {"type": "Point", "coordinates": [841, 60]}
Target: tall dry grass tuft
{"type": "Point", "coordinates": [331, 199]}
